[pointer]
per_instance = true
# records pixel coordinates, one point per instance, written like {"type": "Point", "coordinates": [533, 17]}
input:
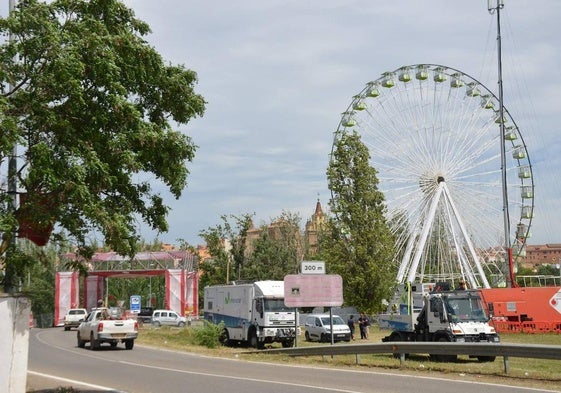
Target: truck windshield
{"type": "Point", "coordinates": [465, 308]}
{"type": "Point", "coordinates": [276, 305]}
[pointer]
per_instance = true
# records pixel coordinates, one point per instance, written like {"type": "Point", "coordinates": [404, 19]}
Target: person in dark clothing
{"type": "Point", "coordinates": [351, 323]}
{"type": "Point", "coordinates": [363, 323]}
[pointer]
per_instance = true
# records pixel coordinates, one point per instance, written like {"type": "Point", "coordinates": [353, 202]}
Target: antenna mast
{"type": "Point", "coordinates": [494, 7]}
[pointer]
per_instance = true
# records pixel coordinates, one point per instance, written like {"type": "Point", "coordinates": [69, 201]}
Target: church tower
{"type": "Point", "coordinates": [313, 227]}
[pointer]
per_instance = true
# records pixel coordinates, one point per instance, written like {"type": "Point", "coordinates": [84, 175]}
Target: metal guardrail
{"type": "Point", "coordinates": [435, 348]}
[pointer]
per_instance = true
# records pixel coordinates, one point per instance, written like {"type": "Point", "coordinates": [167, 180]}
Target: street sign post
{"type": "Point", "coordinates": [313, 267]}
{"type": "Point", "coordinates": [135, 303]}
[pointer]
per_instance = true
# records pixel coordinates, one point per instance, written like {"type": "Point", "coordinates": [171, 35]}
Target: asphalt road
{"type": "Point", "coordinates": [55, 360]}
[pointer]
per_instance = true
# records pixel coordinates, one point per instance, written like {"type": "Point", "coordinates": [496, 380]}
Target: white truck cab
{"type": "Point", "coordinates": [432, 312]}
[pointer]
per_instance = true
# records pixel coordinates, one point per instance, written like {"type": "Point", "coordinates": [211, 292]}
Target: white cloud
{"type": "Point", "coordinates": [278, 74]}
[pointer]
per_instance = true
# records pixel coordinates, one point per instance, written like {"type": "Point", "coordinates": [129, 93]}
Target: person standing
{"type": "Point", "coordinates": [366, 326]}
{"type": "Point", "coordinates": [362, 326]}
{"type": "Point", "coordinates": [351, 323]}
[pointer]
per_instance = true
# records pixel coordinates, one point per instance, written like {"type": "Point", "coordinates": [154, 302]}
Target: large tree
{"type": "Point", "coordinates": [238, 251]}
{"type": "Point", "coordinates": [92, 108]}
{"type": "Point", "coordinates": [277, 251]}
{"type": "Point", "coordinates": [227, 247]}
{"type": "Point", "coordinates": [357, 243]}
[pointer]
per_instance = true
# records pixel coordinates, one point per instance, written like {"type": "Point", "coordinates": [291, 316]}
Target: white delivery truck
{"type": "Point", "coordinates": [252, 313]}
{"type": "Point", "coordinates": [433, 312]}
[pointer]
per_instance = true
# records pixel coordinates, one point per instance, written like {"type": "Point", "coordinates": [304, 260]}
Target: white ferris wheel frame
{"type": "Point", "coordinates": [361, 116]}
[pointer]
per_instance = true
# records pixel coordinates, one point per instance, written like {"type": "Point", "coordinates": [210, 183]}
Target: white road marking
{"type": "Point", "coordinates": [71, 381]}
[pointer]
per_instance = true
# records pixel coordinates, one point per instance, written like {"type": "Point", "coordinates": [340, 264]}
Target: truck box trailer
{"type": "Point", "coordinates": [253, 313]}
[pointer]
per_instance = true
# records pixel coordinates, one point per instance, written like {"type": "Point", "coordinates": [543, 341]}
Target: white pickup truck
{"type": "Point", "coordinates": [74, 317]}
{"type": "Point", "coordinates": [99, 328]}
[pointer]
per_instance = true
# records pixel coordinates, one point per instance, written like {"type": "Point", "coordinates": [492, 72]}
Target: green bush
{"type": "Point", "coordinates": [209, 334]}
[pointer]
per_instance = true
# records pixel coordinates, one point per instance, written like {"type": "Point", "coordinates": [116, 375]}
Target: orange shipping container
{"type": "Point", "coordinates": [525, 304]}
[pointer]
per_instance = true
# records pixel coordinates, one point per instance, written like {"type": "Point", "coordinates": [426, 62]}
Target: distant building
{"type": "Point", "coordinates": [169, 247]}
{"type": "Point", "coordinates": [307, 238]}
{"type": "Point", "coordinates": [541, 254]}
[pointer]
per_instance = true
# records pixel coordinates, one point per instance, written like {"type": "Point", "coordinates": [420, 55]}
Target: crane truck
{"type": "Point", "coordinates": [252, 313]}
{"type": "Point", "coordinates": [433, 312]}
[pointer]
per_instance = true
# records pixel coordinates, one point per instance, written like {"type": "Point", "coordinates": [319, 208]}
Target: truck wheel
{"type": "Point", "coordinates": [396, 337]}
{"type": "Point", "coordinates": [254, 341]}
{"type": "Point", "coordinates": [94, 344]}
{"type": "Point", "coordinates": [288, 344]}
{"type": "Point", "coordinates": [156, 323]}
{"type": "Point", "coordinates": [81, 343]}
{"type": "Point", "coordinates": [444, 358]}
{"type": "Point", "coordinates": [181, 324]}
{"type": "Point", "coordinates": [113, 344]}
{"type": "Point", "coordinates": [129, 344]}
{"type": "Point", "coordinates": [307, 336]}
{"type": "Point", "coordinates": [224, 338]}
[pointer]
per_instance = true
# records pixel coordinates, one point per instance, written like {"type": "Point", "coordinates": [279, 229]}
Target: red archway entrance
{"type": "Point", "coordinates": [178, 268]}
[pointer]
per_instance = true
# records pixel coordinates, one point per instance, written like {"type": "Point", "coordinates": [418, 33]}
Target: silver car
{"type": "Point", "coordinates": [318, 328]}
{"type": "Point", "coordinates": [168, 317]}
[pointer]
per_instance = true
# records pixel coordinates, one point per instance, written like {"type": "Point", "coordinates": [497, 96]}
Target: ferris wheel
{"type": "Point", "coordinates": [434, 137]}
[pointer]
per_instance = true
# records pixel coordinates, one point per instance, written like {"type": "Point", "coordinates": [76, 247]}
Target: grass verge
{"type": "Point", "coordinates": [522, 372]}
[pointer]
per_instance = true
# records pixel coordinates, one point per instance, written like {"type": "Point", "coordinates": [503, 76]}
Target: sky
{"type": "Point", "coordinates": [278, 74]}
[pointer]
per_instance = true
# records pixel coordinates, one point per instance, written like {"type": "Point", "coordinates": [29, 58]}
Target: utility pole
{"type": "Point", "coordinates": [10, 274]}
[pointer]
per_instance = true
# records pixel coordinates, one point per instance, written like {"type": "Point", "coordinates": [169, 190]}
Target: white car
{"type": "Point", "coordinates": [318, 328]}
{"type": "Point", "coordinates": [168, 317]}
{"type": "Point", "coordinates": [74, 317]}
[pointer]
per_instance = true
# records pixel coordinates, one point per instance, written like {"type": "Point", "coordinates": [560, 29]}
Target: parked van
{"type": "Point", "coordinates": [318, 328]}
{"type": "Point", "coordinates": [168, 317]}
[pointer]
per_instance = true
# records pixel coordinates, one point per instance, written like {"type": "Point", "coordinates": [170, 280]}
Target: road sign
{"type": "Point", "coordinates": [135, 303]}
{"type": "Point", "coordinates": [313, 290]}
{"type": "Point", "coordinates": [313, 267]}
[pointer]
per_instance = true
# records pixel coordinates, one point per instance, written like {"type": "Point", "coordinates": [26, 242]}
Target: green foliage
{"type": "Point", "coordinates": [273, 251]}
{"type": "Point", "coordinates": [92, 105]}
{"type": "Point", "coordinates": [209, 334]}
{"type": "Point", "coordinates": [277, 252]}
{"type": "Point", "coordinates": [37, 271]}
{"type": "Point", "coordinates": [226, 243]}
{"type": "Point", "coordinates": [20, 262]}
{"type": "Point", "coordinates": [357, 243]}
{"type": "Point", "coordinates": [146, 287]}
